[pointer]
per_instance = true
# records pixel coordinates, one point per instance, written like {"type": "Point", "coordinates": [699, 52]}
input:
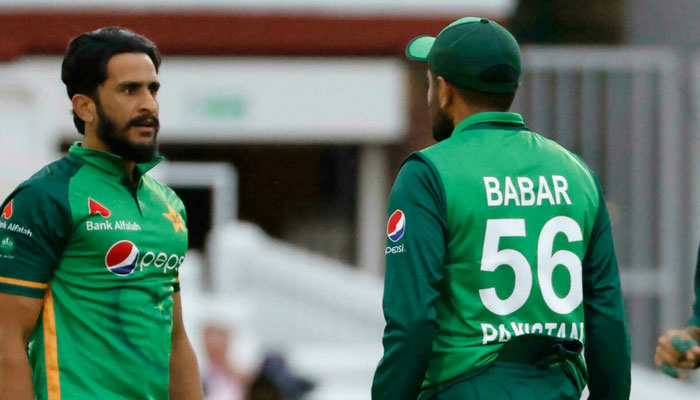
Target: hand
{"type": "Point", "coordinates": [678, 349]}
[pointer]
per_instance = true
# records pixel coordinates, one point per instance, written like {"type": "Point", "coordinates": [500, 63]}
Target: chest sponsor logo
{"type": "Point", "coordinates": [7, 211]}
{"type": "Point", "coordinates": [124, 257]}
{"type": "Point", "coordinates": [96, 208]}
{"type": "Point", "coordinates": [112, 226]}
{"type": "Point", "coordinates": [396, 226]}
{"type": "Point", "coordinates": [121, 258]}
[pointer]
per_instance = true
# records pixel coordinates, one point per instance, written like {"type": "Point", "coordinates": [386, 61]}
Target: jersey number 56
{"type": "Point", "coordinates": [492, 258]}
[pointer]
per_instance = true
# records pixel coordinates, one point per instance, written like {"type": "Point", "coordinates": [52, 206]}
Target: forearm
{"type": "Point", "coordinates": [185, 383]}
{"type": "Point", "coordinates": [402, 369]}
{"type": "Point", "coordinates": [607, 351]}
{"type": "Point", "coordinates": [607, 346]}
{"type": "Point", "coordinates": [15, 375]}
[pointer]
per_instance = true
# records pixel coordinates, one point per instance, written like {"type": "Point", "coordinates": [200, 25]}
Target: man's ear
{"type": "Point", "coordinates": [446, 93]}
{"type": "Point", "coordinates": [85, 108]}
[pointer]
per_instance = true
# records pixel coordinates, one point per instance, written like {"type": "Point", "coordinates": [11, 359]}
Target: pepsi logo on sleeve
{"type": "Point", "coordinates": [396, 226]}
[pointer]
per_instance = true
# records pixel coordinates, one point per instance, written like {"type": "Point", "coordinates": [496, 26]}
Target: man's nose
{"type": "Point", "coordinates": [149, 103]}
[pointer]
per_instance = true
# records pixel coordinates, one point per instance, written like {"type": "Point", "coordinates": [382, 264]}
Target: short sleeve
{"type": "Point", "coordinates": [34, 225]}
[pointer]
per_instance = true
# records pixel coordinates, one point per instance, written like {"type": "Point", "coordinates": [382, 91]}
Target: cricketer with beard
{"type": "Point", "coordinates": [89, 291]}
{"type": "Point", "coordinates": [500, 265]}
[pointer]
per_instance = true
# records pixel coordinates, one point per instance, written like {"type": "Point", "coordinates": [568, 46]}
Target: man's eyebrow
{"type": "Point", "coordinates": [132, 84]}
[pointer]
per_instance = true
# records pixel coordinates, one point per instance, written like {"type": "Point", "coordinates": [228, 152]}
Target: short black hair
{"type": "Point", "coordinates": [488, 101]}
{"type": "Point", "coordinates": [84, 65]}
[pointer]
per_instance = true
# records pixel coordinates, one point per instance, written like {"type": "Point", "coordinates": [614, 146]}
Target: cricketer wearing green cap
{"type": "Point", "coordinates": [500, 267]}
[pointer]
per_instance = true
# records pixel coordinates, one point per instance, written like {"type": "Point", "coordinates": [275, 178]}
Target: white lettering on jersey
{"type": "Point", "coordinates": [17, 228]}
{"type": "Point", "coordinates": [503, 333]}
{"type": "Point", "coordinates": [493, 187]}
{"type": "Point", "coordinates": [560, 188]}
{"type": "Point", "coordinates": [108, 226]}
{"type": "Point", "coordinates": [511, 193]}
{"type": "Point", "coordinates": [551, 190]}
{"type": "Point", "coordinates": [528, 195]}
{"type": "Point", "coordinates": [543, 192]}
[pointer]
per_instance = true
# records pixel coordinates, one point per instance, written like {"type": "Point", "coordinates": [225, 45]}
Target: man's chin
{"type": "Point", "coordinates": [143, 143]}
{"type": "Point", "coordinates": [136, 152]}
{"type": "Point", "coordinates": [141, 149]}
{"type": "Point", "coordinates": [142, 154]}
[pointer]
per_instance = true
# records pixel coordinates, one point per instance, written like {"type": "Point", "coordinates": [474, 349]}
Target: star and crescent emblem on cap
{"type": "Point", "coordinates": [176, 219]}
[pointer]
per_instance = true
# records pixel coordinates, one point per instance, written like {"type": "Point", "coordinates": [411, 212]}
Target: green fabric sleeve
{"type": "Point", "coordinates": [413, 275]}
{"type": "Point", "coordinates": [607, 346]}
{"type": "Point", "coordinates": [37, 228]}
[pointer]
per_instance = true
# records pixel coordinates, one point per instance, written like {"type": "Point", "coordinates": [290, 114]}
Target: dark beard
{"type": "Point", "coordinates": [117, 142]}
{"type": "Point", "coordinates": [443, 125]}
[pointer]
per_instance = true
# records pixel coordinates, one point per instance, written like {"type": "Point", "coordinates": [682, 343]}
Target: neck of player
{"type": "Point", "coordinates": [91, 141]}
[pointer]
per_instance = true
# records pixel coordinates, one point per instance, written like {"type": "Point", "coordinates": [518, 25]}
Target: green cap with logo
{"type": "Point", "coordinates": [474, 53]}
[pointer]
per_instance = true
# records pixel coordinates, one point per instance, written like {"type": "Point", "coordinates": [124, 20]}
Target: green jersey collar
{"type": "Point", "coordinates": [492, 117]}
{"type": "Point", "coordinates": [108, 162]}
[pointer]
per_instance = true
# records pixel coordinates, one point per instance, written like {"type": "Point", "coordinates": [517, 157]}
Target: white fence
{"type": "Point", "coordinates": [620, 110]}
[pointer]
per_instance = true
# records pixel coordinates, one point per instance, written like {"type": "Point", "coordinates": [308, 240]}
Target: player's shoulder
{"type": "Point", "coordinates": [418, 173]}
{"type": "Point", "coordinates": [158, 186]}
{"type": "Point", "coordinates": [417, 164]}
{"type": "Point", "coordinates": [52, 180]}
{"type": "Point", "coordinates": [434, 149]}
{"type": "Point", "coordinates": [162, 190]}
{"type": "Point", "coordinates": [552, 146]}
{"type": "Point", "coordinates": [44, 193]}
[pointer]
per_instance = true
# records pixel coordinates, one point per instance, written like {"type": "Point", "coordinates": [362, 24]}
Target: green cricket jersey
{"type": "Point", "coordinates": [104, 255]}
{"type": "Point", "coordinates": [494, 233]}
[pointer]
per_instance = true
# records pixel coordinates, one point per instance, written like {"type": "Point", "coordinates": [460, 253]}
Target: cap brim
{"type": "Point", "coordinates": [418, 48]}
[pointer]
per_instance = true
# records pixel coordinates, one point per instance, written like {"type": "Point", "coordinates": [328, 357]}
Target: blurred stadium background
{"type": "Point", "coordinates": [284, 123]}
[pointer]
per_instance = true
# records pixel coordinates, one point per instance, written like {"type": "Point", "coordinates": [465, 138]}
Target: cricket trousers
{"type": "Point", "coordinates": [513, 381]}
{"type": "Point", "coordinates": [528, 367]}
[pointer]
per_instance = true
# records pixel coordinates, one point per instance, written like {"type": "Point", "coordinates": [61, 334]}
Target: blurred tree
{"type": "Point", "coordinates": [568, 21]}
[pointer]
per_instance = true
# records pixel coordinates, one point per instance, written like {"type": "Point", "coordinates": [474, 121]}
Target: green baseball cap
{"type": "Point", "coordinates": [474, 53]}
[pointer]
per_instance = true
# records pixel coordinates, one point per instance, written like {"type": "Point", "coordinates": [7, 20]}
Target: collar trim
{"type": "Point", "coordinates": [108, 162]}
{"type": "Point", "coordinates": [489, 117]}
